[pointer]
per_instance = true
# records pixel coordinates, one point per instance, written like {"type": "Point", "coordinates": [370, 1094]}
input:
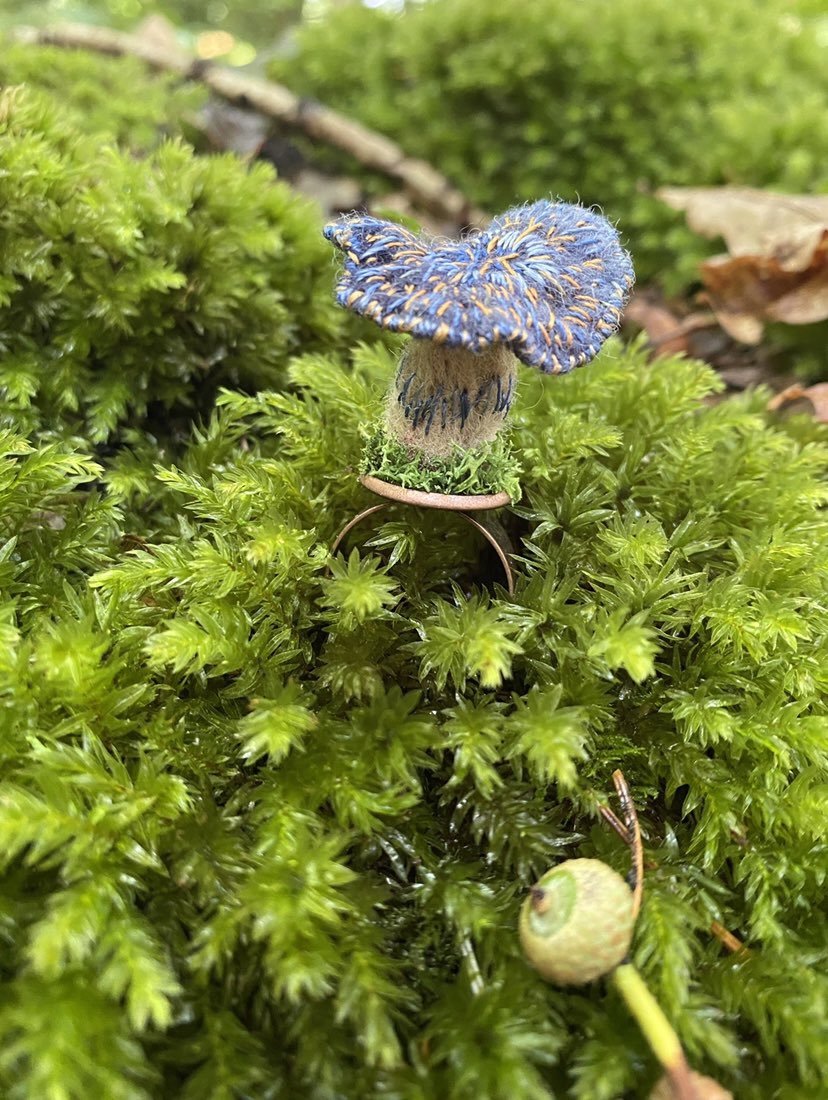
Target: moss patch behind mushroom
{"type": "Point", "coordinates": [471, 471]}
{"type": "Point", "coordinates": [116, 96]}
{"type": "Point", "coordinates": [133, 284]}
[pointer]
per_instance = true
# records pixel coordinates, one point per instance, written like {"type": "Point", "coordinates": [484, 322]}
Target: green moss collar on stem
{"type": "Point", "coordinates": [471, 472]}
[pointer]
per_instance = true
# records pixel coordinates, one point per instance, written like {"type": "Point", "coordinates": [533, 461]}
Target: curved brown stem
{"type": "Point", "coordinates": [634, 832]}
{"type": "Point", "coordinates": [630, 832]}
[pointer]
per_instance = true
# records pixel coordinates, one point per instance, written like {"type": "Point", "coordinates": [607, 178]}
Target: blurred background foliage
{"type": "Point", "coordinates": [251, 25]}
{"type": "Point", "coordinates": [604, 100]}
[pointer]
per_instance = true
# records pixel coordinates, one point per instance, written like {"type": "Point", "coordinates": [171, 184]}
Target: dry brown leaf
{"type": "Point", "coordinates": [817, 396]}
{"type": "Point", "coordinates": [668, 332]}
{"type": "Point", "coordinates": [661, 325]}
{"type": "Point", "coordinates": [754, 222]}
{"type": "Point", "coordinates": [777, 267]}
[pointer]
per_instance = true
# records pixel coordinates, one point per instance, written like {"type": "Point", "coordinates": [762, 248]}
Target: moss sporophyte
{"type": "Point", "coordinates": [544, 285]}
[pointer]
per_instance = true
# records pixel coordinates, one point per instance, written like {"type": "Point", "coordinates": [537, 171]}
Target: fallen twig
{"type": "Point", "coordinates": [727, 938]}
{"type": "Point", "coordinates": [420, 180]}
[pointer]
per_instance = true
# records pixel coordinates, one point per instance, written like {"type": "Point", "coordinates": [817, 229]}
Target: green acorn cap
{"type": "Point", "coordinates": [577, 922]}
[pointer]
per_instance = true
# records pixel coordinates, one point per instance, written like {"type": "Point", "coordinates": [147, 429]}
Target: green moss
{"type": "Point", "coordinates": [267, 816]}
{"type": "Point", "coordinates": [118, 97]}
{"type": "Point", "coordinates": [472, 472]}
{"type": "Point", "coordinates": [257, 807]}
{"type": "Point", "coordinates": [130, 283]}
{"type": "Point", "coordinates": [256, 21]}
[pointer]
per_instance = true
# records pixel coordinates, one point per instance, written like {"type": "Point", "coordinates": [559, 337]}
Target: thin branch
{"type": "Point", "coordinates": [612, 820]}
{"type": "Point", "coordinates": [630, 832]}
{"type": "Point", "coordinates": [727, 938]}
{"type": "Point", "coordinates": [422, 183]}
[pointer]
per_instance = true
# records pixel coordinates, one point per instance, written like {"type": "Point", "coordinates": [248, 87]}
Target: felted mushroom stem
{"type": "Point", "coordinates": [443, 397]}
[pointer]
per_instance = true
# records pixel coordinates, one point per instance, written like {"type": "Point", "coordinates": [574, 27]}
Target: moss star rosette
{"type": "Point", "coordinates": [544, 285]}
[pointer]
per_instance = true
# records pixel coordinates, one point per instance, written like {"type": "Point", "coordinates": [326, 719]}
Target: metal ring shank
{"type": "Point", "coordinates": [484, 531]}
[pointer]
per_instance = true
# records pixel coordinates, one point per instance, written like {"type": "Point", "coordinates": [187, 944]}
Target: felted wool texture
{"type": "Point", "coordinates": [445, 397]}
{"type": "Point", "coordinates": [547, 280]}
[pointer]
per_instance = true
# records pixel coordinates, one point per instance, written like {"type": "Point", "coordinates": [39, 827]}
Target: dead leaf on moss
{"type": "Point", "coordinates": [662, 326]}
{"type": "Point", "coordinates": [668, 332]}
{"type": "Point", "coordinates": [777, 266]}
{"type": "Point", "coordinates": [816, 395]}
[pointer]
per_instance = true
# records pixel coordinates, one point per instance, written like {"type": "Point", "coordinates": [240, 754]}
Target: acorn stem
{"type": "Point", "coordinates": [656, 1028]}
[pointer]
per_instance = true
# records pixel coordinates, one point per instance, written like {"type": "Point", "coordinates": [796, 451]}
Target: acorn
{"type": "Point", "coordinates": [706, 1089]}
{"type": "Point", "coordinates": [577, 922]}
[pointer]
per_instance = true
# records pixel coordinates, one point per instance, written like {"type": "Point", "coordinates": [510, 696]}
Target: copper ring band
{"type": "Point", "coordinates": [484, 531]}
{"type": "Point", "coordinates": [448, 502]}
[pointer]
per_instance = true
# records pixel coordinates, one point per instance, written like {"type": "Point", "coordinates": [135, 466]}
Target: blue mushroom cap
{"type": "Point", "coordinates": [548, 280]}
